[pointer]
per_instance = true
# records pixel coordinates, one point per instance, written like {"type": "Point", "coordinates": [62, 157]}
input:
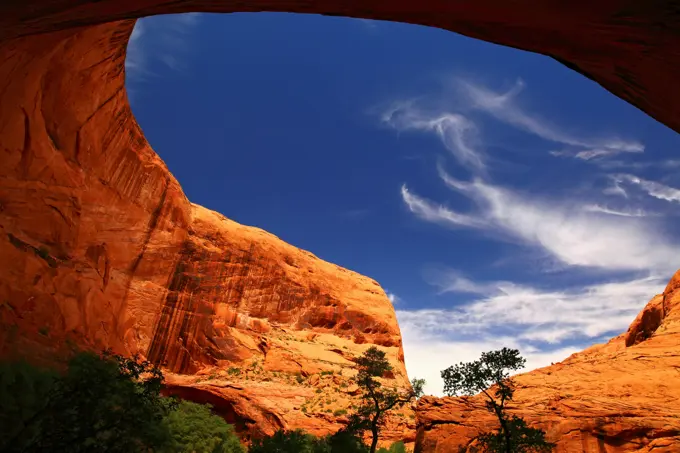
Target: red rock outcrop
{"type": "Point", "coordinates": [100, 246]}
{"type": "Point", "coordinates": [618, 397]}
{"type": "Point", "coordinates": [630, 48]}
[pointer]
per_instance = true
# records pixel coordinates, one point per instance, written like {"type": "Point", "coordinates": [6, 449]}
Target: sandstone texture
{"type": "Point", "coordinates": [629, 47]}
{"type": "Point", "coordinates": [618, 397]}
{"type": "Point", "coordinates": [100, 247]}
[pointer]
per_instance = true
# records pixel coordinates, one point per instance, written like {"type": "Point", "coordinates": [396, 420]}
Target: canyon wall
{"type": "Point", "coordinates": [618, 397]}
{"type": "Point", "coordinates": [100, 247]}
{"type": "Point", "coordinates": [629, 47]}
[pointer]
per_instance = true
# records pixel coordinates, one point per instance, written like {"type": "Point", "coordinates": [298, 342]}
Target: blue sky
{"type": "Point", "coordinates": [500, 198]}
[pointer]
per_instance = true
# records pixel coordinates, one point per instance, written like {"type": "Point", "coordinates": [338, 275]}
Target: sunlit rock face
{"type": "Point", "coordinates": [622, 396]}
{"type": "Point", "coordinates": [100, 247]}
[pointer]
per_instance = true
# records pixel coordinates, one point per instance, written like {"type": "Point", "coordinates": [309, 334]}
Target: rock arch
{"type": "Point", "coordinates": [76, 173]}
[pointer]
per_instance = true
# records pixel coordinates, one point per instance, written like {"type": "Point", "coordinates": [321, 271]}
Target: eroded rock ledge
{"type": "Point", "coordinates": [100, 246]}
{"type": "Point", "coordinates": [618, 397]}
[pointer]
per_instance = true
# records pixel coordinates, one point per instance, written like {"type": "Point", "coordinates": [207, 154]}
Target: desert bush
{"type": "Point", "coordinates": [193, 428]}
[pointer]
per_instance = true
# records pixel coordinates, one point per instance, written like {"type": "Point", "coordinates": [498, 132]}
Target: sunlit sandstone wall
{"type": "Point", "coordinates": [98, 243]}
{"type": "Point", "coordinates": [618, 397]}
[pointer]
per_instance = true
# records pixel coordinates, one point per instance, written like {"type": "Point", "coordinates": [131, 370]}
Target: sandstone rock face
{"type": "Point", "coordinates": [630, 48]}
{"type": "Point", "coordinates": [99, 245]}
{"type": "Point", "coordinates": [101, 248]}
{"type": "Point", "coordinates": [618, 397]}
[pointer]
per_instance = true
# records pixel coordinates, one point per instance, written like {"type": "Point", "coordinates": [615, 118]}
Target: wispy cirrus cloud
{"type": "Point", "coordinates": [458, 134]}
{"type": "Point", "coordinates": [574, 236]}
{"type": "Point", "coordinates": [160, 39]}
{"type": "Point", "coordinates": [622, 213]}
{"type": "Point", "coordinates": [392, 297]}
{"type": "Point", "coordinates": [652, 188]}
{"type": "Point", "coordinates": [504, 107]}
{"type": "Point", "coordinates": [578, 232]}
{"type": "Point", "coordinates": [536, 321]}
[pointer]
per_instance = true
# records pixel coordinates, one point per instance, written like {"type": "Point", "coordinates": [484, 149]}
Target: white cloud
{"type": "Point", "coordinates": [573, 236]}
{"type": "Point", "coordinates": [653, 188]}
{"type": "Point", "coordinates": [503, 107]}
{"type": "Point", "coordinates": [546, 325]}
{"type": "Point", "coordinates": [666, 164]}
{"type": "Point", "coordinates": [429, 211]}
{"type": "Point", "coordinates": [163, 38]}
{"type": "Point", "coordinates": [458, 134]}
{"type": "Point", "coordinates": [622, 213]}
{"type": "Point", "coordinates": [437, 338]}
{"type": "Point", "coordinates": [614, 188]}
{"type": "Point", "coordinates": [427, 356]}
{"type": "Point", "coordinates": [394, 299]}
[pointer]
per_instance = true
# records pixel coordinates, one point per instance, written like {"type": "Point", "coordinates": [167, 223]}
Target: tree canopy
{"type": "Point", "coordinates": [490, 376]}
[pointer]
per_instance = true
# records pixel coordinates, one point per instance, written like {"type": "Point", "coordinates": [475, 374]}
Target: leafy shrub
{"type": "Point", "coordinates": [102, 402]}
{"type": "Point", "coordinates": [296, 441]}
{"type": "Point", "coordinates": [339, 412]}
{"type": "Point", "coordinates": [195, 429]}
{"type": "Point", "coordinates": [233, 371]}
{"type": "Point", "coordinates": [299, 442]}
{"type": "Point", "coordinates": [397, 447]}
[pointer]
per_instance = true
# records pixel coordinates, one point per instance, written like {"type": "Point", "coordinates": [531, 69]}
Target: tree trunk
{"type": "Point", "coordinates": [504, 428]}
{"type": "Point", "coordinates": [374, 431]}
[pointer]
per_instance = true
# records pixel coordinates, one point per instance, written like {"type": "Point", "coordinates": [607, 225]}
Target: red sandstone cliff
{"type": "Point", "coordinates": [101, 248]}
{"type": "Point", "coordinates": [618, 397]}
{"type": "Point", "coordinates": [99, 245]}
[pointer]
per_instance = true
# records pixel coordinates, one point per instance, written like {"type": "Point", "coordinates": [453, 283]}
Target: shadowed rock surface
{"type": "Point", "coordinates": [618, 397]}
{"type": "Point", "coordinates": [101, 247]}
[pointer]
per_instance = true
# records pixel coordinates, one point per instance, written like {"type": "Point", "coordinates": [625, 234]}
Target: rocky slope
{"type": "Point", "coordinates": [262, 330]}
{"type": "Point", "coordinates": [618, 397]}
{"type": "Point", "coordinates": [100, 246]}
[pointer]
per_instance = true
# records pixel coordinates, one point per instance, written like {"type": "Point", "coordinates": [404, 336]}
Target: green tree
{"type": "Point", "coordinates": [376, 399]}
{"type": "Point", "coordinates": [101, 403]}
{"type": "Point", "coordinates": [194, 428]}
{"type": "Point", "coordinates": [490, 375]}
{"type": "Point", "coordinates": [344, 441]}
{"type": "Point", "coordinates": [297, 441]}
{"type": "Point", "coordinates": [282, 441]}
{"type": "Point", "coordinates": [397, 447]}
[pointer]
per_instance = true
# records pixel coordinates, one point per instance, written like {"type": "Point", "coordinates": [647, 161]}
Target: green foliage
{"type": "Point", "coordinates": [344, 441]}
{"type": "Point", "coordinates": [296, 441]}
{"type": "Point", "coordinates": [523, 439]}
{"type": "Point", "coordinates": [299, 378]}
{"type": "Point", "coordinates": [23, 390]}
{"type": "Point", "coordinates": [101, 403]}
{"type": "Point", "coordinates": [492, 370]}
{"type": "Point", "coordinates": [327, 373]}
{"type": "Point", "coordinates": [377, 400]}
{"type": "Point", "coordinates": [194, 428]}
{"type": "Point", "coordinates": [339, 412]}
{"type": "Point", "coordinates": [397, 447]}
